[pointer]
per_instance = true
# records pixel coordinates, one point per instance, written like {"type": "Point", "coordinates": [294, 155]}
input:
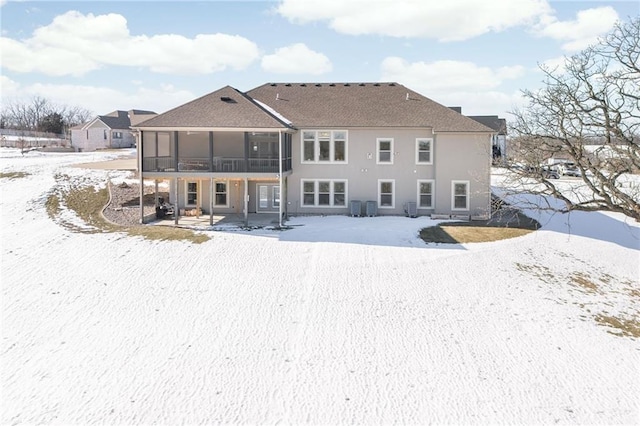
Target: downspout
{"type": "Point", "coordinates": [280, 177]}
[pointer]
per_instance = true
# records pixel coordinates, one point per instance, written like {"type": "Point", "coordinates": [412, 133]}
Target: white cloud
{"type": "Point", "coordinates": [296, 59]}
{"type": "Point", "coordinates": [444, 76]}
{"type": "Point", "coordinates": [456, 83]}
{"type": "Point", "coordinates": [445, 21]}
{"type": "Point", "coordinates": [100, 100]}
{"type": "Point", "coordinates": [581, 32]}
{"type": "Point", "coordinates": [74, 44]}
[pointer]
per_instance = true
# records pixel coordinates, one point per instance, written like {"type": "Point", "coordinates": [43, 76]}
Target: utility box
{"type": "Point", "coordinates": [411, 209]}
{"type": "Point", "coordinates": [372, 208]}
{"type": "Point", "coordinates": [356, 208]}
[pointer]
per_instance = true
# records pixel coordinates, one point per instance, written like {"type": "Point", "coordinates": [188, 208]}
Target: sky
{"type": "Point", "coordinates": [156, 55]}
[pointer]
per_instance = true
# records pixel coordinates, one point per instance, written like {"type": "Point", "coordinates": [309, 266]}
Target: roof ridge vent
{"type": "Point", "coordinates": [376, 84]}
{"type": "Point", "coordinates": [347, 84]}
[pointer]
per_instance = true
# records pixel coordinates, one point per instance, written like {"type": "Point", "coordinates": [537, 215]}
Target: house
{"type": "Point", "coordinates": [108, 131]}
{"type": "Point", "coordinates": [499, 139]}
{"type": "Point", "coordinates": [311, 148]}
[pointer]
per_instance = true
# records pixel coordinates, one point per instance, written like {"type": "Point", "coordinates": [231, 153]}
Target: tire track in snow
{"type": "Point", "coordinates": [296, 336]}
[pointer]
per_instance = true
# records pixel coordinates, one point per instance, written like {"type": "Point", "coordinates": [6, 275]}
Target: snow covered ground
{"type": "Point", "coordinates": [337, 321]}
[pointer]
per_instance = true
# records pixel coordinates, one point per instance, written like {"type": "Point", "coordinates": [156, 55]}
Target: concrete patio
{"type": "Point", "coordinates": [228, 220]}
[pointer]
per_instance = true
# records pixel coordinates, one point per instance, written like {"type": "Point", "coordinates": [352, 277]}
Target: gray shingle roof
{"type": "Point", "coordinates": [224, 108]}
{"type": "Point", "coordinates": [360, 105]}
{"type": "Point", "coordinates": [499, 125]}
{"type": "Point", "coordinates": [116, 119]}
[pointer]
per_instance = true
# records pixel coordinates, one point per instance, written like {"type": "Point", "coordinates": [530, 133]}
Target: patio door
{"type": "Point", "coordinates": [268, 200]}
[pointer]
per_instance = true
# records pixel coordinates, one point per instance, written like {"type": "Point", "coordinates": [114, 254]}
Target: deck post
{"type": "Point", "coordinates": [246, 202]}
{"type": "Point", "coordinates": [176, 209]}
{"type": "Point", "coordinates": [141, 198]}
{"type": "Point", "coordinates": [211, 194]}
{"type": "Point", "coordinates": [156, 192]}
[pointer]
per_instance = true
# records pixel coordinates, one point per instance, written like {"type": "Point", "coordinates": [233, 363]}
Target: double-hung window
{"type": "Point", "coordinates": [460, 195]}
{"type": "Point", "coordinates": [386, 194]}
{"type": "Point", "coordinates": [425, 194]}
{"type": "Point", "coordinates": [117, 135]}
{"type": "Point", "coordinates": [324, 146]}
{"type": "Point", "coordinates": [324, 193]}
{"type": "Point", "coordinates": [424, 151]}
{"type": "Point", "coordinates": [384, 148]}
{"type": "Point", "coordinates": [220, 195]}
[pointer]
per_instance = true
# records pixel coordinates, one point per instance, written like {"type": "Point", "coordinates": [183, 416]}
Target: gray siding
{"type": "Point", "coordinates": [455, 157]}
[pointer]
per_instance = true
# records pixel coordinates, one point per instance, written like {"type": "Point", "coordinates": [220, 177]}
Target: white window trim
{"type": "Point", "coordinates": [186, 193]}
{"type": "Point", "coordinates": [433, 193]}
{"type": "Point", "coordinates": [393, 194]}
{"type": "Point", "coordinates": [378, 140]}
{"type": "Point", "coordinates": [331, 193]}
{"type": "Point", "coordinates": [453, 195]}
{"type": "Point", "coordinates": [316, 147]}
{"type": "Point", "coordinates": [430, 140]}
{"type": "Point", "coordinates": [226, 182]}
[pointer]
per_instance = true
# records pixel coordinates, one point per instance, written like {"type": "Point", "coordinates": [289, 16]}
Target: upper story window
{"type": "Point", "coordinates": [384, 147]}
{"type": "Point", "coordinates": [424, 151]}
{"type": "Point", "coordinates": [324, 146]}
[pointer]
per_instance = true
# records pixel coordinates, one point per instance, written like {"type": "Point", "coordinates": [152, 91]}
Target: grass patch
{"type": "Point", "coordinates": [625, 327]}
{"type": "Point", "coordinates": [87, 203]}
{"type": "Point", "coordinates": [584, 282]}
{"type": "Point", "coordinates": [53, 206]}
{"type": "Point", "coordinates": [470, 232]}
{"type": "Point", "coordinates": [13, 175]}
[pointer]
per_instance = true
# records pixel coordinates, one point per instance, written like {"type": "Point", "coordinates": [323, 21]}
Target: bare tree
{"type": "Point", "coordinates": [588, 113]}
{"type": "Point", "coordinates": [32, 115]}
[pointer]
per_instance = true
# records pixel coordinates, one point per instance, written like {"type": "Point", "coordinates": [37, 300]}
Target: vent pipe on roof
{"type": "Point", "coordinates": [407, 97]}
{"type": "Point", "coordinates": [277, 96]}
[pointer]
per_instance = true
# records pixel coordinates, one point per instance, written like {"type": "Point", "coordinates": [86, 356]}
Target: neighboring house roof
{"type": "Point", "coordinates": [499, 125]}
{"type": "Point", "coordinates": [360, 105]}
{"type": "Point", "coordinates": [224, 108]}
{"type": "Point", "coordinates": [116, 120]}
{"type": "Point", "coordinates": [120, 119]}
{"type": "Point", "coordinates": [137, 116]}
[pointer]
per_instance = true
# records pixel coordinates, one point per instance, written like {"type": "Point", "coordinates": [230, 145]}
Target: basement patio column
{"type": "Point", "coordinates": [246, 202]}
{"type": "Point", "coordinates": [211, 202]}
{"type": "Point", "coordinates": [176, 209]}
{"type": "Point", "coordinates": [141, 195]}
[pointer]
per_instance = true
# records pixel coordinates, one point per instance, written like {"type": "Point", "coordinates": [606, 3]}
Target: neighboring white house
{"type": "Point", "coordinates": [311, 148]}
{"type": "Point", "coordinates": [108, 131]}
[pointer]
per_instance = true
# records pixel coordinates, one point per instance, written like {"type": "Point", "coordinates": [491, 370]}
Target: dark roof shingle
{"type": "Point", "coordinates": [360, 105]}
{"type": "Point", "coordinates": [224, 108]}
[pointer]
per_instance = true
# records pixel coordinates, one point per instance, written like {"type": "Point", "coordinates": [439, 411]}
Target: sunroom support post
{"type": "Point", "coordinates": [211, 202]}
{"type": "Point", "coordinates": [246, 151]}
{"type": "Point", "coordinates": [246, 202]}
{"type": "Point", "coordinates": [176, 209]}
{"type": "Point", "coordinates": [175, 152]}
{"type": "Point", "coordinates": [211, 151]}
